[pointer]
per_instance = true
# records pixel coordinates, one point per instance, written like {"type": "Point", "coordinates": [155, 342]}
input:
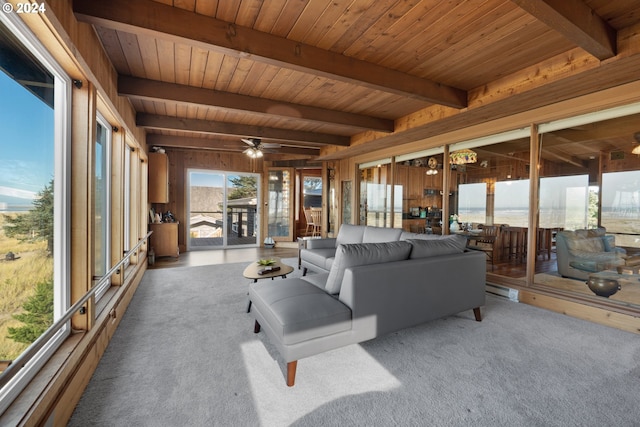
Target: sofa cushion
{"type": "Point", "coordinates": [363, 254]}
{"type": "Point", "coordinates": [318, 256]}
{"type": "Point", "coordinates": [298, 311]}
{"type": "Point", "coordinates": [407, 235]}
{"type": "Point", "coordinates": [381, 234]}
{"type": "Point", "coordinates": [577, 243]}
{"type": "Point", "coordinates": [446, 245]}
{"type": "Point", "coordinates": [349, 234]}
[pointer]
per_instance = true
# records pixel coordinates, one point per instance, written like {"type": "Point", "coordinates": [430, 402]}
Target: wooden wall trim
{"type": "Point", "coordinates": [602, 316]}
{"type": "Point", "coordinates": [82, 206]}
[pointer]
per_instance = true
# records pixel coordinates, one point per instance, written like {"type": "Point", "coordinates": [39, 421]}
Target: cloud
{"type": "Point", "coordinates": [14, 192]}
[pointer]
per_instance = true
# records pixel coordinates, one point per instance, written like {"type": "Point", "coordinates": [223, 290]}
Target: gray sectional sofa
{"type": "Point", "coordinates": [371, 289]}
{"type": "Point", "coordinates": [319, 253]}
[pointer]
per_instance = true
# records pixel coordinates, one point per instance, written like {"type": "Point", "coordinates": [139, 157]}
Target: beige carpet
{"type": "Point", "coordinates": [630, 293]}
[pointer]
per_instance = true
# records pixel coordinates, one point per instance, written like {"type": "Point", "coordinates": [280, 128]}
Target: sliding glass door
{"type": "Point", "coordinates": [222, 209]}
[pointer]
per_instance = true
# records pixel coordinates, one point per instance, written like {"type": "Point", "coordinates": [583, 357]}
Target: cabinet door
{"type": "Point", "coordinates": [158, 178]}
{"type": "Point", "coordinates": [164, 239]}
{"type": "Point", "coordinates": [416, 182]}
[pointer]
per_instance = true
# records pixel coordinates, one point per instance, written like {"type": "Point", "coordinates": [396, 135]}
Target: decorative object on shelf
{"type": "Point", "coordinates": [269, 242]}
{"type": "Point", "coordinates": [433, 166]}
{"type": "Point", "coordinates": [453, 223]}
{"type": "Point", "coordinates": [462, 157]}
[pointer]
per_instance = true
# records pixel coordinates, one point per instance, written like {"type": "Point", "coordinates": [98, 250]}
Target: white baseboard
{"type": "Point", "coordinates": [502, 291]}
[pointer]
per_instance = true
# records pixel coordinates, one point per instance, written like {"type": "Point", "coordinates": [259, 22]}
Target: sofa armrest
{"type": "Point", "coordinates": [321, 243]}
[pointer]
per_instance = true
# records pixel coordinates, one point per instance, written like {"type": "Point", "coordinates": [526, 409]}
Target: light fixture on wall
{"type": "Point", "coordinates": [636, 149]}
{"type": "Point", "coordinates": [433, 166]}
{"type": "Point", "coordinates": [462, 157]}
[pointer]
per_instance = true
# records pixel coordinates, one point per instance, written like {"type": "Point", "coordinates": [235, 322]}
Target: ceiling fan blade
{"type": "Point", "coordinates": [249, 141]}
{"type": "Point", "coordinates": [270, 145]}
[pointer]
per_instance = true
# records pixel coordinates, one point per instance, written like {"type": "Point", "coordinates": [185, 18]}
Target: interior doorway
{"type": "Point", "coordinates": [223, 209]}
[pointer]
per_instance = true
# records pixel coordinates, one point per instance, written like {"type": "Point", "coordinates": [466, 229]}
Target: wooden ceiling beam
{"type": "Point", "coordinates": [210, 144]}
{"type": "Point", "coordinates": [151, 121]}
{"type": "Point", "coordinates": [576, 21]}
{"type": "Point", "coordinates": [182, 26]}
{"type": "Point", "coordinates": [153, 90]}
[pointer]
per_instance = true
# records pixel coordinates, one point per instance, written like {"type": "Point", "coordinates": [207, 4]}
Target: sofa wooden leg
{"type": "Point", "coordinates": [304, 271]}
{"type": "Point", "coordinates": [291, 373]}
{"type": "Point", "coordinates": [256, 327]}
{"type": "Point", "coordinates": [478, 314]}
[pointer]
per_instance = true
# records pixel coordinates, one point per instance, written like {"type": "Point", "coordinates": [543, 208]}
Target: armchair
{"type": "Point", "coordinates": [581, 252]}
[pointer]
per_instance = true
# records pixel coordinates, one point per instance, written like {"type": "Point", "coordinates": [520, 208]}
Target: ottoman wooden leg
{"type": "Point", "coordinates": [291, 373]}
{"type": "Point", "coordinates": [256, 327]}
{"type": "Point", "coordinates": [478, 314]}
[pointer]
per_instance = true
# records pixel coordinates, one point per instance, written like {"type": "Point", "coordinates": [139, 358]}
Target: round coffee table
{"type": "Point", "coordinates": [253, 272]}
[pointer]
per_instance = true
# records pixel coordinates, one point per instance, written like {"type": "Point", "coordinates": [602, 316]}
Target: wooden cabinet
{"type": "Point", "coordinates": [158, 178]}
{"type": "Point", "coordinates": [417, 225]}
{"type": "Point", "coordinates": [164, 239]}
{"type": "Point", "coordinates": [416, 184]}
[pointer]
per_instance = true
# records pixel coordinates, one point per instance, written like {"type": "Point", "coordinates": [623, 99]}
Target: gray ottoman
{"type": "Point", "coordinates": [295, 313]}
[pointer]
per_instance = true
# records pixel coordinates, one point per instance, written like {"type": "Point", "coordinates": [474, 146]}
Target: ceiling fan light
{"type": "Point", "coordinates": [258, 153]}
{"type": "Point", "coordinates": [636, 149]}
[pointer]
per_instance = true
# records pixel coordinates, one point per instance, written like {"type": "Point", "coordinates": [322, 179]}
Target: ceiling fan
{"type": "Point", "coordinates": [257, 148]}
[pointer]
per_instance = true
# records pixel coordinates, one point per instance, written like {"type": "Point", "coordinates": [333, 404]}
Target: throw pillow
{"type": "Point", "coordinates": [452, 244]}
{"type": "Point", "coordinates": [356, 254]}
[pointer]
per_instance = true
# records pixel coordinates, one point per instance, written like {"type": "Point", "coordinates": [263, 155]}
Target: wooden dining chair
{"type": "Point", "coordinates": [316, 221]}
{"type": "Point", "coordinates": [486, 242]}
{"type": "Point", "coordinates": [309, 219]}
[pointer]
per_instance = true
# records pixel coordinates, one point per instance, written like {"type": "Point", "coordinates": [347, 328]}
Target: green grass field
{"type": "Point", "coordinates": [17, 283]}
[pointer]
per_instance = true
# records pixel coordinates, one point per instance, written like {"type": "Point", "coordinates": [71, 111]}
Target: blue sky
{"type": "Point", "coordinates": [26, 143]}
{"type": "Point", "coordinates": [208, 179]}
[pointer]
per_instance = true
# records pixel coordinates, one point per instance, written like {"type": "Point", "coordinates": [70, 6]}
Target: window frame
{"type": "Point", "coordinates": [106, 221]}
{"type": "Point", "coordinates": [62, 205]}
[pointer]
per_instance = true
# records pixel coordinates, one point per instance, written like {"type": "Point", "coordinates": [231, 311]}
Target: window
{"type": "Point", "coordinates": [376, 205]}
{"type": "Point", "coordinates": [621, 202]}
{"type": "Point", "coordinates": [34, 118]}
{"type": "Point", "coordinates": [472, 202]}
{"type": "Point", "coordinates": [102, 187]}
{"type": "Point", "coordinates": [512, 203]}
{"type": "Point", "coordinates": [564, 202]}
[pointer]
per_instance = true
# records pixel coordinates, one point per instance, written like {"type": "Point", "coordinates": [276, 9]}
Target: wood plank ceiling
{"type": "Point", "coordinates": [318, 75]}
